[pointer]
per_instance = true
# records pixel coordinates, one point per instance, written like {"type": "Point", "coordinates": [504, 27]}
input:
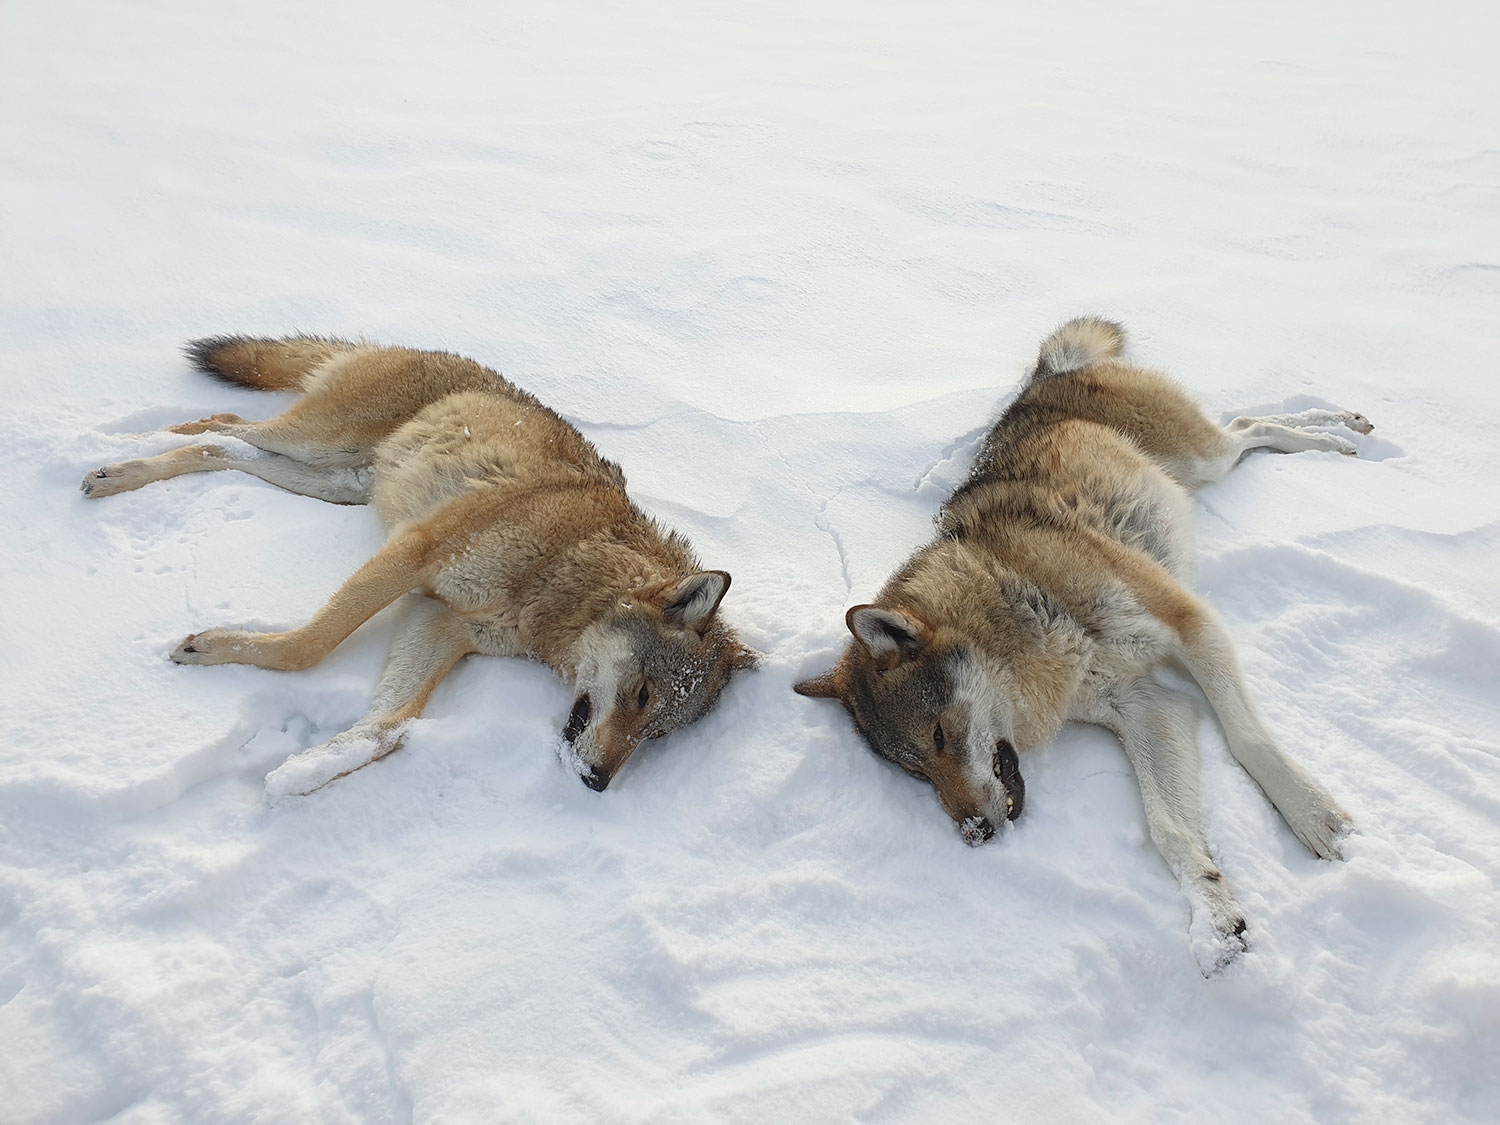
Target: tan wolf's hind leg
{"type": "Point", "coordinates": [336, 485]}
{"type": "Point", "coordinates": [394, 570]}
{"type": "Point", "coordinates": [430, 639]}
{"type": "Point", "coordinates": [1157, 727]}
{"type": "Point", "coordinates": [206, 425]}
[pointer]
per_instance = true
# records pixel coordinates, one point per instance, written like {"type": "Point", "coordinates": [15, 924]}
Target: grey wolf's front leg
{"type": "Point", "coordinates": [1157, 728]}
{"type": "Point", "coordinates": [430, 639]}
{"type": "Point", "coordinates": [1309, 810]}
{"type": "Point", "coordinates": [394, 570]}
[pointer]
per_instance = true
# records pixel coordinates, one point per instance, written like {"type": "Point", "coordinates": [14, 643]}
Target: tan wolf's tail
{"type": "Point", "coordinates": [1078, 343]}
{"type": "Point", "coordinates": [263, 364]}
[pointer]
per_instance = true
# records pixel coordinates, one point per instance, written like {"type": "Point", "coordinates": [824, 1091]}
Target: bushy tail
{"type": "Point", "coordinates": [262, 364]}
{"type": "Point", "coordinates": [1078, 343]}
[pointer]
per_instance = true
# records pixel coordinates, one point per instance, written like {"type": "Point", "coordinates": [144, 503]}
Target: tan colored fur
{"type": "Point", "coordinates": [1055, 586]}
{"type": "Point", "coordinates": [505, 519]}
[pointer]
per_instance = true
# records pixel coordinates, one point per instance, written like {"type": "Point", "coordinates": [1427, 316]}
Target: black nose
{"type": "Point", "coordinates": [1007, 768]}
{"type": "Point", "coordinates": [578, 720]}
{"type": "Point", "coordinates": [597, 780]}
{"type": "Point", "coordinates": [977, 830]}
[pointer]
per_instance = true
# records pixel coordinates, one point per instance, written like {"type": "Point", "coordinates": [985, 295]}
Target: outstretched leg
{"type": "Point", "coordinates": [394, 570]}
{"type": "Point", "coordinates": [1283, 433]}
{"type": "Point", "coordinates": [1203, 645]}
{"type": "Point", "coordinates": [1350, 419]}
{"type": "Point", "coordinates": [1306, 806]}
{"type": "Point", "coordinates": [310, 430]}
{"type": "Point", "coordinates": [1157, 728]}
{"type": "Point", "coordinates": [336, 485]}
{"type": "Point", "coordinates": [430, 639]}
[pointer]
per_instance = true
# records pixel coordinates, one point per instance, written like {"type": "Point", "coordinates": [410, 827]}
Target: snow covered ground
{"type": "Point", "coordinates": [782, 260]}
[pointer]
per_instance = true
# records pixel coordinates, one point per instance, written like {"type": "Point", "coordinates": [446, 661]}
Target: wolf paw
{"type": "Point", "coordinates": [1217, 935]}
{"type": "Point", "coordinates": [216, 646]}
{"type": "Point", "coordinates": [212, 422]}
{"type": "Point", "coordinates": [1332, 443]}
{"type": "Point", "coordinates": [1316, 819]}
{"type": "Point", "coordinates": [316, 766]}
{"type": "Point", "coordinates": [125, 476]}
{"type": "Point", "coordinates": [1324, 832]}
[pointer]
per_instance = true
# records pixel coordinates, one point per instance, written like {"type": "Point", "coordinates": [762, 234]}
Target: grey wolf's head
{"type": "Point", "coordinates": [648, 666]}
{"type": "Point", "coordinates": [927, 700]}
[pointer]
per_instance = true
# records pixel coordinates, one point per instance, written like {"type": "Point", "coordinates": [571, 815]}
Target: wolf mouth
{"type": "Point", "coordinates": [1007, 767]}
{"type": "Point", "coordinates": [578, 720]}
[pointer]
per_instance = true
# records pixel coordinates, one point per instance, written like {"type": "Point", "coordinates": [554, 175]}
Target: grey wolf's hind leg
{"type": "Point", "coordinates": [1157, 727]}
{"type": "Point", "coordinates": [1295, 433]}
{"type": "Point", "coordinates": [1305, 418]}
{"type": "Point", "coordinates": [430, 639]}
{"type": "Point", "coordinates": [1283, 433]}
{"type": "Point", "coordinates": [336, 485]}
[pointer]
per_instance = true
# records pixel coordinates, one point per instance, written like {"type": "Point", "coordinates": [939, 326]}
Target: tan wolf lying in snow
{"type": "Point", "coordinates": [1055, 585]}
{"type": "Point", "coordinates": [518, 538]}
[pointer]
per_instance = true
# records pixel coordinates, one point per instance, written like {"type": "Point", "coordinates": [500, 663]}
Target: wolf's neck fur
{"type": "Point", "coordinates": [593, 578]}
{"type": "Point", "coordinates": [1022, 633]}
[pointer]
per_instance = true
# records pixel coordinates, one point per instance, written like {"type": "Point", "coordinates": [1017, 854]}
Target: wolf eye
{"type": "Point", "coordinates": [640, 700]}
{"type": "Point", "coordinates": [937, 737]}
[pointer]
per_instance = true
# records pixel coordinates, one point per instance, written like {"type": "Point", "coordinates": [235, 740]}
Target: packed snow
{"type": "Point", "coordinates": [783, 261]}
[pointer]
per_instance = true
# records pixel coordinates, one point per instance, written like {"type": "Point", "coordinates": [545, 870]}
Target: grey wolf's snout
{"type": "Point", "coordinates": [578, 721]}
{"type": "Point", "coordinates": [596, 779]}
{"type": "Point", "coordinates": [1007, 768]}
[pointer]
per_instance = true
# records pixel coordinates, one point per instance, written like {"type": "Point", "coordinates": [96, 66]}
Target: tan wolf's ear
{"type": "Point", "coordinates": [830, 685]}
{"type": "Point", "coordinates": [693, 600]}
{"type": "Point", "coordinates": [891, 637]}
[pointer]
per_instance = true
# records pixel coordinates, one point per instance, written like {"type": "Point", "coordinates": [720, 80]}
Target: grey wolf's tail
{"type": "Point", "coordinates": [1078, 343]}
{"type": "Point", "coordinates": [263, 364]}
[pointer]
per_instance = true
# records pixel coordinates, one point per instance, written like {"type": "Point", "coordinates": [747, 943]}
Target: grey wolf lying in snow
{"type": "Point", "coordinates": [518, 538]}
{"type": "Point", "coordinates": [1054, 587]}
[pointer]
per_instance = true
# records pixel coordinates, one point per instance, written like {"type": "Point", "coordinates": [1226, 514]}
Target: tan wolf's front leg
{"type": "Point", "coordinates": [430, 639]}
{"type": "Point", "coordinates": [394, 570]}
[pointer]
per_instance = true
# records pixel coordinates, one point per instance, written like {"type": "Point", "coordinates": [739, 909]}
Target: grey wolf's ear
{"type": "Point", "coordinates": [890, 636]}
{"type": "Point", "coordinates": [693, 600]}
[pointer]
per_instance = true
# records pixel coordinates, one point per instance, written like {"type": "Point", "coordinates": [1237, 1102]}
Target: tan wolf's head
{"type": "Point", "coordinates": [925, 699]}
{"type": "Point", "coordinates": [649, 666]}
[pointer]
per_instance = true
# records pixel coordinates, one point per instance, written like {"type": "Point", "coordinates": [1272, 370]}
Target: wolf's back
{"type": "Point", "coordinates": [264, 364]}
{"type": "Point", "coordinates": [1078, 343]}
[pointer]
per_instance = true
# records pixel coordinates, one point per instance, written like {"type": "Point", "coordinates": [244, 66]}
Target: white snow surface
{"type": "Point", "coordinates": [783, 261]}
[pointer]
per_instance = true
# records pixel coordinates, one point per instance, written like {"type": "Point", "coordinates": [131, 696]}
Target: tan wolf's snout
{"type": "Point", "coordinates": [652, 665]}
